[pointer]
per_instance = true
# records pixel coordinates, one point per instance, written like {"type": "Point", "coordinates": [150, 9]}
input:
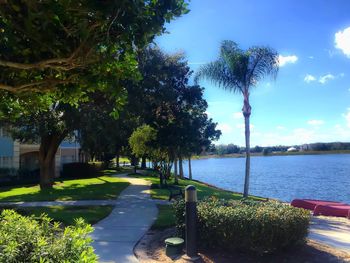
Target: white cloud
{"type": "Point", "coordinates": [225, 128]}
{"type": "Point", "coordinates": [281, 128]}
{"type": "Point", "coordinates": [237, 115]}
{"type": "Point", "coordinates": [308, 78]}
{"type": "Point", "coordinates": [208, 113]}
{"type": "Point", "coordinates": [342, 41]}
{"type": "Point", "coordinates": [311, 57]}
{"type": "Point", "coordinates": [323, 79]}
{"type": "Point", "coordinates": [315, 122]}
{"type": "Point", "coordinates": [283, 60]}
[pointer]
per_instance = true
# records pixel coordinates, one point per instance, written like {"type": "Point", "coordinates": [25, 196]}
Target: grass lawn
{"type": "Point", "coordinates": [165, 217]}
{"type": "Point", "coordinates": [203, 190]}
{"type": "Point", "coordinates": [68, 214]}
{"type": "Point", "coordinates": [103, 187]}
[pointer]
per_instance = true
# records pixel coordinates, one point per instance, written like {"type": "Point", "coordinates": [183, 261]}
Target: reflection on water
{"type": "Point", "coordinates": [283, 177]}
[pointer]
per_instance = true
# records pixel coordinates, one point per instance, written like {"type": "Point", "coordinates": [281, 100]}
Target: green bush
{"type": "Point", "coordinates": [263, 227]}
{"type": "Point", "coordinates": [24, 239]}
{"type": "Point", "coordinates": [79, 170]}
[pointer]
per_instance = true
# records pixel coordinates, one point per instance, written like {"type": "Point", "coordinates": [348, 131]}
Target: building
{"type": "Point", "coordinates": [292, 149]}
{"type": "Point", "coordinates": [26, 156]}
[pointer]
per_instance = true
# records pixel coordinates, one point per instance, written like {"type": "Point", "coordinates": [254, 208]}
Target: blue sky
{"type": "Point", "coordinates": [310, 99]}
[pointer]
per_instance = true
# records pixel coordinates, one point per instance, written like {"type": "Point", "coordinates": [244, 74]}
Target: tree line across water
{"type": "Point", "coordinates": [224, 149]}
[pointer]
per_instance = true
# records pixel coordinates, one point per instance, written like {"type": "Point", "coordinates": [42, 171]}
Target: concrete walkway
{"type": "Point", "coordinates": [332, 231]}
{"type": "Point", "coordinates": [116, 235]}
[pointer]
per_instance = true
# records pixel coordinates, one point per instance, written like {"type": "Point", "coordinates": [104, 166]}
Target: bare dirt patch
{"type": "Point", "coordinates": [151, 248]}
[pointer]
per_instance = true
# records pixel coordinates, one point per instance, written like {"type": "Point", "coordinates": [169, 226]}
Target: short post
{"type": "Point", "coordinates": [191, 222]}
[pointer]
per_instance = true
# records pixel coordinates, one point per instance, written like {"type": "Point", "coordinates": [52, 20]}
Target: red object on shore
{"type": "Point", "coordinates": [332, 210]}
{"type": "Point", "coordinates": [310, 204]}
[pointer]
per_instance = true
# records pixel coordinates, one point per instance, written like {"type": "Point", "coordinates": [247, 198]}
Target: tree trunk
{"type": "Point", "coordinates": [47, 151]}
{"type": "Point", "coordinates": [181, 168]}
{"type": "Point", "coordinates": [117, 161]}
{"type": "Point", "coordinates": [246, 113]}
{"type": "Point", "coordinates": [175, 172]}
{"type": "Point", "coordinates": [189, 168]}
{"type": "Point", "coordinates": [143, 163]}
{"type": "Point", "coordinates": [46, 174]}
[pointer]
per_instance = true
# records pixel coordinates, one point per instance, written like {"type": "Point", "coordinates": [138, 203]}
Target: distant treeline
{"type": "Point", "coordinates": [235, 149]}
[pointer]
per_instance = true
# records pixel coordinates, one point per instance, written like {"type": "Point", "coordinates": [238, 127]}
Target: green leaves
{"type": "Point", "coordinates": [142, 141]}
{"type": "Point", "coordinates": [66, 44]}
{"type": "Point", "coordinates": [29, 239]}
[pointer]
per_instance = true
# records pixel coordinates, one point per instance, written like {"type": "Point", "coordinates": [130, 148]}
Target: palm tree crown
{"type": "Point", "coordinates": [238, 71]}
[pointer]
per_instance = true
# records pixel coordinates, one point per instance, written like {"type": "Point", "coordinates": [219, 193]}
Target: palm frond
{"type": "Point", "coordinates": [238, 70]}
{"type": "Point", "coordinates": [219, 73]}
{"type": "Point", "coordinates": [263, 61]}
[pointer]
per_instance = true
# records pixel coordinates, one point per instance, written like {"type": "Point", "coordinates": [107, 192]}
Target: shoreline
{"type": "Point", "coordinates": [242, 155]}
{"type": "Point", "coordinates": [233, 192]}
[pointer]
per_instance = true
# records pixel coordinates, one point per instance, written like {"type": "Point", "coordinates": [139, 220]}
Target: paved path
{"type": "Point", "coordinates": [332, 231]}
{"type": "Point", "coordinates": [116, 235]}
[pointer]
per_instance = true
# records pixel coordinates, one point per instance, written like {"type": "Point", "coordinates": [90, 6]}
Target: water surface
{"type": "Point", "coordinates": [283, 177]}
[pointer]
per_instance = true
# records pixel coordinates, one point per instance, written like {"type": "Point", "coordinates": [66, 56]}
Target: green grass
{"type": "Point", "coordinates": [99, 188]}
{"type": "Point", "coordinates": [165, 217]}
{"type": "Point", "coordinates": [68, 214]}
{"type": "Point", "coordinates": [203, 190]}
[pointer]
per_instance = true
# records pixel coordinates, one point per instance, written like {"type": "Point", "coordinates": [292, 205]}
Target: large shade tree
{"type": "Point", "coordinates": [173, 107]}
{"type": "Point", "coordinates": [45, 45]}
{"type": "Point", "coordinates": [58, 52]}
{"type": "Point", "coordinates": [239, 71]}
{"type": "Point", "coordinates": [42, 120]}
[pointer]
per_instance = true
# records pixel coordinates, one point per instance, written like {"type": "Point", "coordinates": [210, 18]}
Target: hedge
{"type": "Point", "coordinates": [262, 227]}
{"type": "Point", "coordinates": [10, 176]}
{"type": "Point", "coordinates": [25, 239]}
{"type": "Point", "coordinates": [79, 170]}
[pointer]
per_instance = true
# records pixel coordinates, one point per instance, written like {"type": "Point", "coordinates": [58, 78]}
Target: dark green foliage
{"type": "Point", "coordinates": [262, 227]}
{"type": "Point", "coordinates": [24, 239]}
{"type": "Point", "coordinates": [49, 44]}
{"type": "Point", "coordinates": [175, 109]}
{"type": "Point", "coordinates": [11, 176]}
{"type": "Point", "coordinates": [79, 170]}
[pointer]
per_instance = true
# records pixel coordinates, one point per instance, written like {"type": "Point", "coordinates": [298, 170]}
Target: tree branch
{"type": "Point", "coordinates": [37, 86]}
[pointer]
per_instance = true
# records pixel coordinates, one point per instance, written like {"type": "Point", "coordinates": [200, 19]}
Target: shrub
{"type": "Point", "coordinates": [24, 239]}
{"type": "Point", "coordinates": [5, 172]}
{"type": "Point", "coordinates": [79, 170]}
{"type": "Point", "coordinates": [247, 225]}
{"type": "Point", "coordinates": [11, 176]}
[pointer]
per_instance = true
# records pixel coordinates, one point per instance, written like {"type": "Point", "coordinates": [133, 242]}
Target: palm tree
{"type": "Point", "coordinates": [238, 71]}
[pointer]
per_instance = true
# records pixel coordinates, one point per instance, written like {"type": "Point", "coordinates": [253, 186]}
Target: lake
{"type": "Point", "coordinates": [285, 178]}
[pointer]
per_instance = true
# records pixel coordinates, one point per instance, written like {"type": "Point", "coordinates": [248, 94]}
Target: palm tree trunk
{"type": "Point", "coordinates": [181, 169]}
{"type": "Point", "coordinates": [247, 159]}
{"type": "Point", "coordinates": [246, 113]}
{"type": "Point", "coordinates": [143, 162]}
{"type": "Point", "coordinates": [189, 168]}
{"type": "Point", "coordinates": [175, 171]}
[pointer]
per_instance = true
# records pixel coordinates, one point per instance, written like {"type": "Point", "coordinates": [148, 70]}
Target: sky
{"type": "Point", "coordinates": [310, 99]}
